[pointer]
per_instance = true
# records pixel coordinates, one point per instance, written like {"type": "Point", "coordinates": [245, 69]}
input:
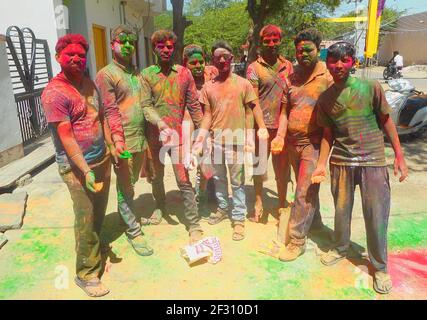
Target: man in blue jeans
{"type": "Point", "coordinates": [233, 103]}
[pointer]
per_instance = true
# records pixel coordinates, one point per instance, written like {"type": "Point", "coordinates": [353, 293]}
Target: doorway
{"type": "Point", "coordinates": [100, 43]}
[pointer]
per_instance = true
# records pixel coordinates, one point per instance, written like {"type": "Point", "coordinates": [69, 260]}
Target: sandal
{"type": "Point", "coordinates": [382, 282]}
{"type": "Point", "coordinates": [217, 216]}
{"type": "Point", "coordinates": [93, 288]}
{"type": "Point", "coordinates": [238, 232]}
{"type": "Point", "coordinates": [156, 217]}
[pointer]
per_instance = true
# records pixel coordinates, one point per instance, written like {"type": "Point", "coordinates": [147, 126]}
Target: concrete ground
{"type": "Point", "coordinates": [38, 261]}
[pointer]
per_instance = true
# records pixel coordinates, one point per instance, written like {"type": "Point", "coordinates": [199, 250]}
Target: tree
{"type": "Point", "coordinates": [180, 23]}
{"type": "Point", "coordinates": [230, 24]}
{"type": "Point", "coordinates": [291, 15]}
{"type": "Point", "coordinates": [200, 7]}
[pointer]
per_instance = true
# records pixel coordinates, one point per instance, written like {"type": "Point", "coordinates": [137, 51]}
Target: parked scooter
{"type": "Point", "coordinates": [409, 107]}
{"type": "Point", "coordinates": [391, 72]}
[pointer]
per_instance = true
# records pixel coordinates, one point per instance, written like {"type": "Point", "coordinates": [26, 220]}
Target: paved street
{"type": "Point", "coordinates": [38, 261]}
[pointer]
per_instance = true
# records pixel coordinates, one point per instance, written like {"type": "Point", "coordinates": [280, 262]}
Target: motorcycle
{"type": "Point", "coordinates": [391, 72]}
{"type": "Point", "coordinates": [409, 108]}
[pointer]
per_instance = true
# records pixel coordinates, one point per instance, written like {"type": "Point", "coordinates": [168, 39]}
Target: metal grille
{"type": "Point", "coordinates": [30, 71]}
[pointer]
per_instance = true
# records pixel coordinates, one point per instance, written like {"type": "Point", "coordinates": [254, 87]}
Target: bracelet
{"type": "Point", "coordinates": [86, 172]}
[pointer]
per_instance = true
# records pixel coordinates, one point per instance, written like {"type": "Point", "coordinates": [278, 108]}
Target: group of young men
{"type": "Point", "coordinates": [133, 118]}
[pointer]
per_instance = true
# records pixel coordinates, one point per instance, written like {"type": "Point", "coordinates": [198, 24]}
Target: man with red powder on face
{"type": "Point", "coordinates": [298, 123]}
{"type": "Point", "coordinates": [194, 60]}
{"type": "Point", "coordinates": [353, 113]}
{"type": "Point", "coordinates": [268, 76]}
{"type": "Point", "coordinates": [73, 109]}
{"type": "Point", "coordinates": [169, 89]}
{"type": "Point", "coordinates": [120, 90]}
{"type": "Point", "coordinates": [233, 104]}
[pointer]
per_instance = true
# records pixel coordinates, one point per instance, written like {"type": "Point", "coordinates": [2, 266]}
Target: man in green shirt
{"type": "Point", "coordinates": [120, 90]}
{"type": "Point", "coordinates": [353, 113]}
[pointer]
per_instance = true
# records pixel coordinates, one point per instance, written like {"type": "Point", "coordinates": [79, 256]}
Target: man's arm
{"type": "Point", "coordinates": [74, 153]}
{"type": "Point", "coordinates": [203, 130]}
{"type": "Point", "coordinates": [399, 159]}
{"type": "Point", "coordinates": [192, 102]}
{"type": "Point", "coordinates": [325, 149]}
{"type": "Point", "coordinates": [111, 111]}
{"type": "Point", "coordinates": [278, 142]}
{"type": "Point", "coordinates": [150, 113]}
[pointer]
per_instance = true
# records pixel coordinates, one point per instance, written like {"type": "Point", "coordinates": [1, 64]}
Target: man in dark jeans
{"type": "Point", "coordinates": [354, 113]}
{"type": "Point", "coordinates": [169, 89]}
{"type": "Point", "coordinates": [309, 80]}
{"type": "Point", "coordinates": [76, 119]}
{"type": "Point", "coordinates": [120, 90]}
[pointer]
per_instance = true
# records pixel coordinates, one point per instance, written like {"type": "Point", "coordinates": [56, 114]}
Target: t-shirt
{"type": "Point", "coordinates": [352, 114]}
{"type": "Point", "coordinates": [300, 100]}
{"type": "Point", "coordinates": [227, 100]}
{"type": "Point", "coordinates": [165, 97]}
{"type": "Point", "coordinates": [63, 102]}
{"type": "Point", "coordinates": [270, 82]}
{"type": "Point", "coordinates": [398, 60]}
{"type": "Point", "coordinates": [120, 90]}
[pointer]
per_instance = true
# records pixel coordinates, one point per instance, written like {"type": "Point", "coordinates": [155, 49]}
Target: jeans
{"type": "Point", "coordinates": [306, 205]}
{"type": "Point", "coordinates": [89, 210]}
{"type": "Point", "coordinates": [227, 156]}
{"type": "Point", "coordinates": [281, 166]}
{"type": "Point", "coordinates": [375, 193]}
{"type": "Point", "coordinates": [182, 180]}
{"type": "Point", "coordinates": [127, 174]}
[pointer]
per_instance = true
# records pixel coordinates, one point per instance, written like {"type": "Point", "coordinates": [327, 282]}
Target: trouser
{"type": "Point", "coordinates": [89, 210]}
{"type": "Point", "coordinates": [182, 180]}
{"type": "Point", "coordinates": [229, 156]}
{"type": "Point", "coordinates": [127, 173]}
{"type": "Point", "coordinates": [306, 205]}
{"type": "Point", "coordinates": [375, 193]}
{"type": "Point", "coordinates": [281, 166]}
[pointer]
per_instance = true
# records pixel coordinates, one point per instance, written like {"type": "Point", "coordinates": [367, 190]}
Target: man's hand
{"type": "Point", "coordinates": [249, 143]}
{"type": "Point", "coordinates": [400, 165]}
{"type": "Point", "coordinates": [90, 181]}
{"type": "Point", "coordinates": [277, 145]}
{"type": "Point", "coordinates": [262, 133]}
{"type": "Point", "coordinates": [168, 136]}
{"type": "Point", "coordinates": [120, 147]}
{"type": "Point", "coordinates": [319, 174]}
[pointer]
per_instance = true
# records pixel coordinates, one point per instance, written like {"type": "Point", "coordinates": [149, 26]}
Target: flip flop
{"type": "Point", "coordinates": [257, 216]}
{"type": "Point", "coordinates": [88, 286]}
{"type": "Point", "coordinates": [382, 280]}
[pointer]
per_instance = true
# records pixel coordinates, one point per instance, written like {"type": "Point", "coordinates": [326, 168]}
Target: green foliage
{"type": "Point", "coordinates": [163, 21]}
{"type": "Point", "coordinates": [297, 15]}
{"type": "Point", "coordinates": [200, 7]}
{"type": "Point", "coordinates": [230, 24]}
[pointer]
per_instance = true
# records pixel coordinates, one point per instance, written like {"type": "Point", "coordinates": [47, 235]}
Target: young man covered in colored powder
{"type": "Point", "coordinates": [168, 90]}
{"type": "Point", "coordinates": [120, 91]}
{"type": "Point", "coordinates": [233, 104]}
{"type": "Point", "coordinates": [194, 60]}
{"type": "Point", "coordinates": [303, 136]}
{"type": "Point", "coordinates": [73, 109]}
{"type": "Point", "coordinates": [268, 76]}
{"type": "Point", "coordinates": [353, 112]}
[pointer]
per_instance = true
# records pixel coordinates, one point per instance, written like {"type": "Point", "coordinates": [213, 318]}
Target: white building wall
{"type": "Point", "coordinates": [38, 15]}
{"type": "Point", "coordinates": [10, 134]}
{"type": "Point", "coordinates": [105, 13]}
